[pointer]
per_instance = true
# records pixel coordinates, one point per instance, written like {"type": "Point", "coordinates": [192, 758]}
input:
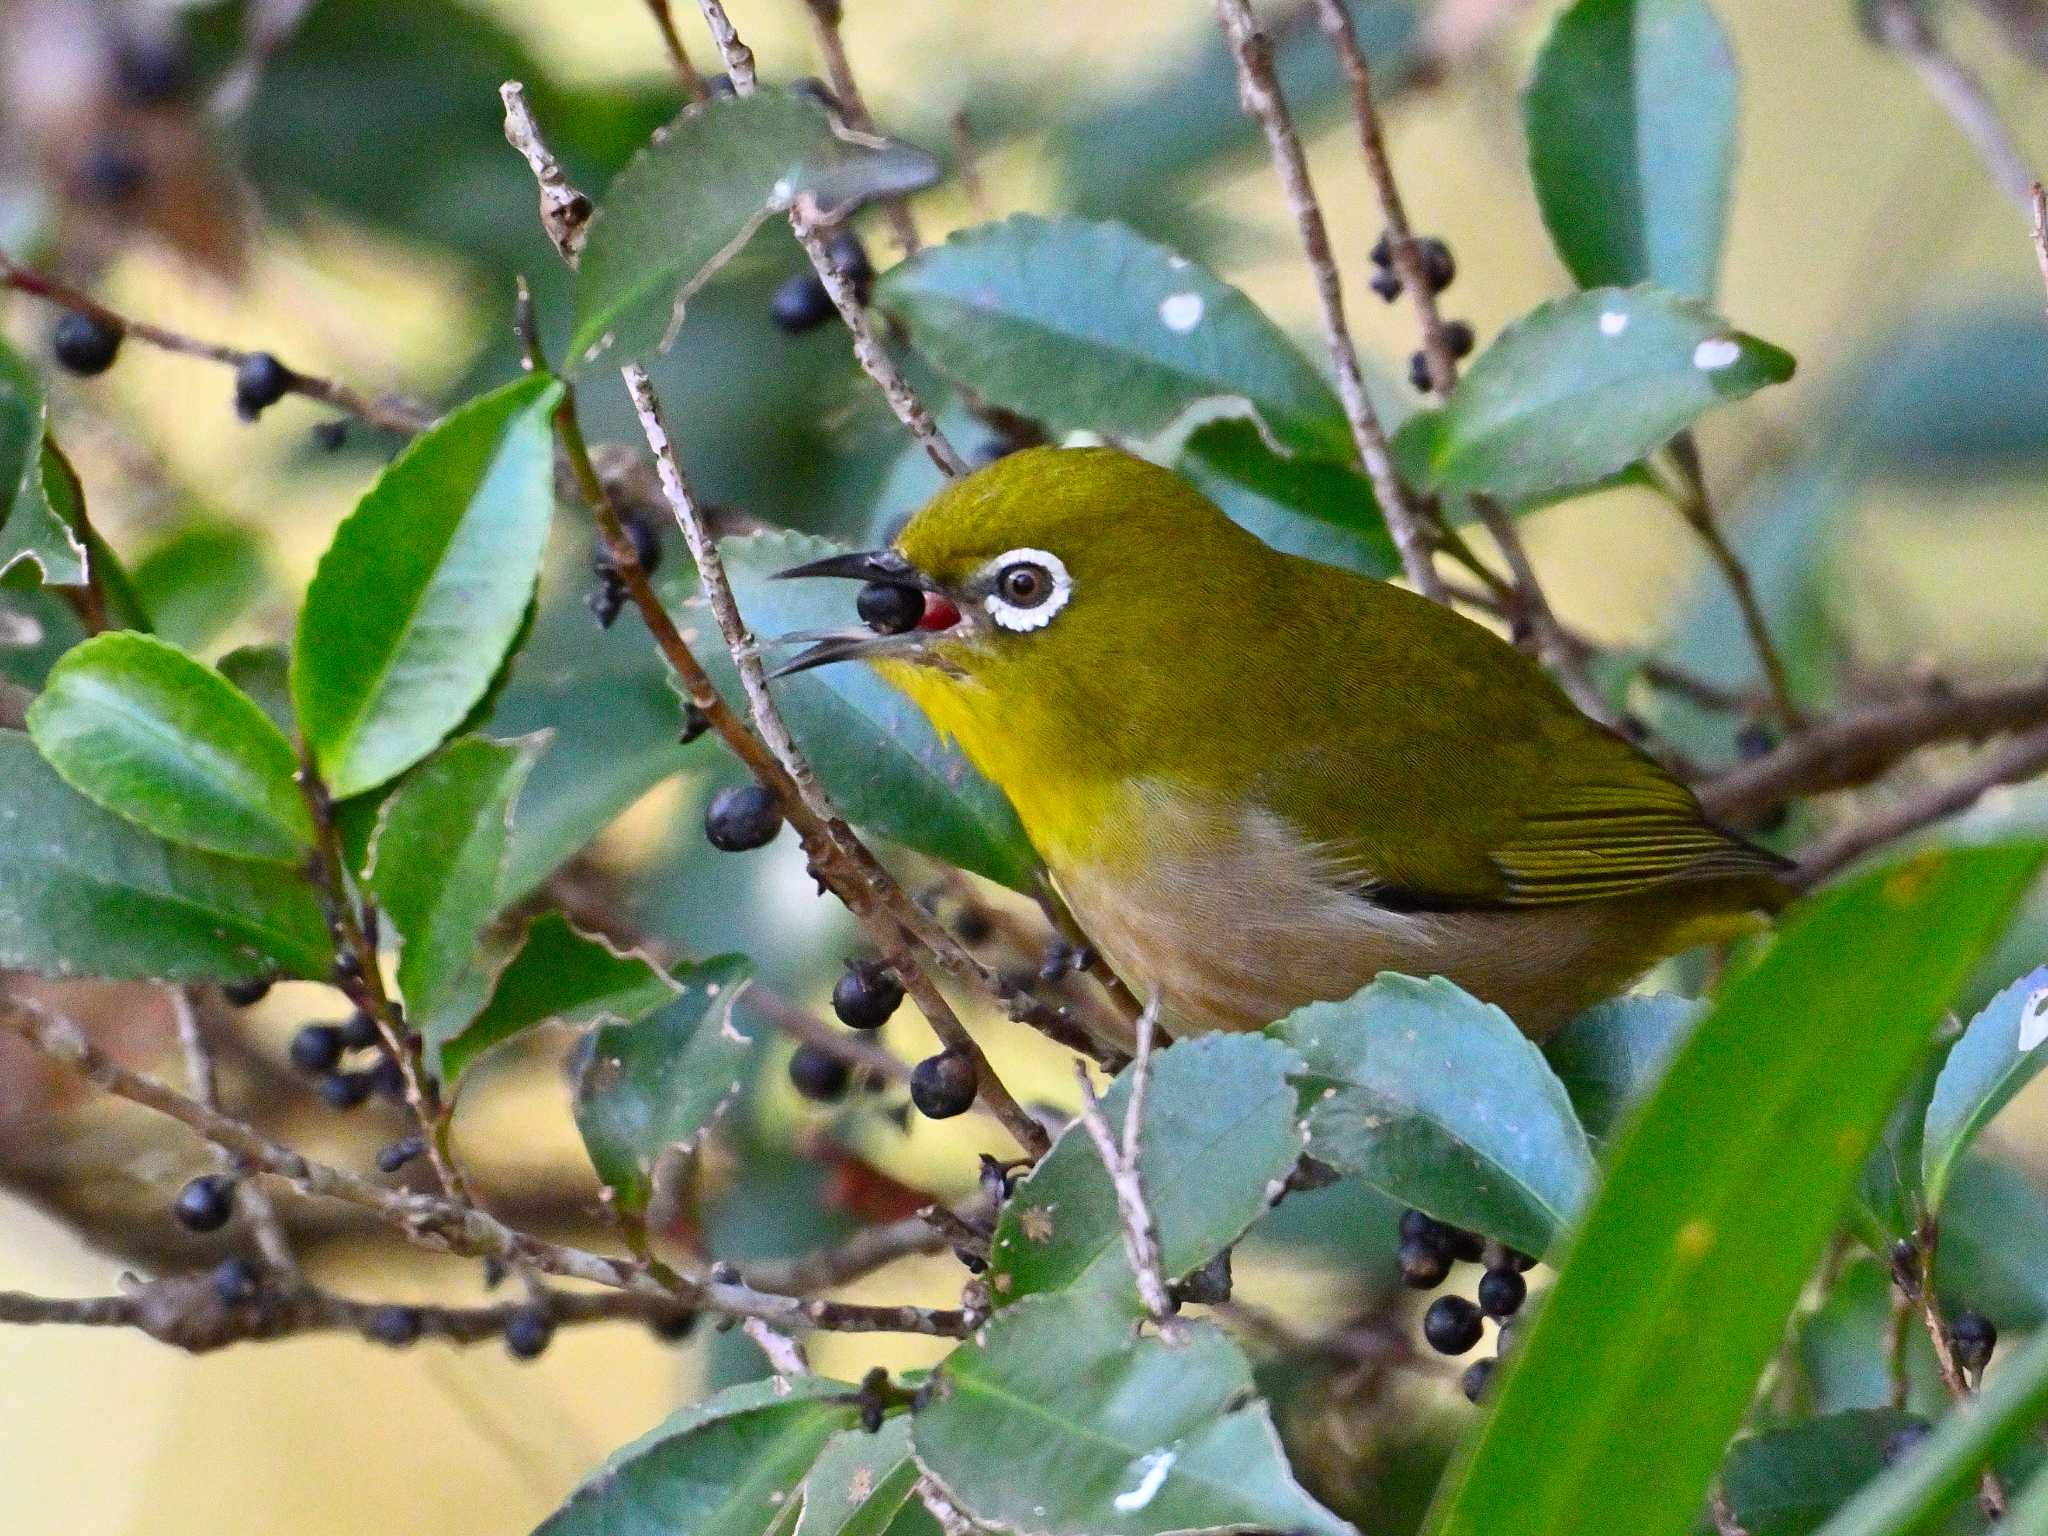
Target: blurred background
{"type": "Point", "coordinates": [357, 212]}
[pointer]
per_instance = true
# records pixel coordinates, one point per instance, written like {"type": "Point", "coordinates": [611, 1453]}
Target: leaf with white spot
{"type": "Point", "coordinates": [1998, 1055]}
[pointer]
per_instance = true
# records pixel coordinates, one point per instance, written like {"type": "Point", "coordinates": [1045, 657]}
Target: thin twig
{"type": "Point", "coordinates": [826, 16]}
{"type": "Point", "coordinates": [1259, 90]}
{"type": "Point", "coordinates": [564, 211]}
{"type": "Point", "coordinates": [871, 1248]}
{"type": "Point", "coordinates": [204, 1079]}
{"type": "Point", "coordinates": [393, 412]}
{"type": "Point", "coordinates": [785, 1355]}
{"type": "Point", "coordinates": [1991, 1495]}
{"type": "Point", "coordinates": [679, 56]}
{"type": "Point", "coordinates": [267, 25]}
{"type": "Point", "coordinates": [1140, 1232]}
{"type": "Point", "coordinates": [1960, 94]}
{"type": "Point", "coordinates": [2037, 197]}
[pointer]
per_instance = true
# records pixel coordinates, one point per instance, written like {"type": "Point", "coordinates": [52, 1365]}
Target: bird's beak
{"type": "Point", "coordinates": [829, 646]}
{"type": "Point", "coordinates": [883, 565]}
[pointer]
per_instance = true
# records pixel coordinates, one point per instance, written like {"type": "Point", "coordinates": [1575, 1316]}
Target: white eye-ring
{"type": "Point", "coordinates": [1026, 587]}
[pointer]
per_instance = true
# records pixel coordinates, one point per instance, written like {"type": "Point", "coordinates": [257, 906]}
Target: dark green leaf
{"type": "Point", "coordinates": [1999, 1054]}
{"type": "Point", "coordinates": [723, 1467]}
{"type": "Point", "coordinates": [1631, 123]}
{"type": "Point", "coordinates": [1583, 386]}
{"type": "Point", "coordinates": [556, 973]}
{"type": "Point", "coordinates": [1611, 1055]}
{"type": "Point", "coordinates": [1719, 1196]}
{"type": "Point", "coordinates": [690, 201]}
{"type": "Point", "coordinates": [1437, 1099]}
{"type": "Point", "coordinates": [872, 747]}
{"type": "Point", "coordinates": [1089, 326]}
{"type": "Point", "coordinates": [424, 588]}
{"type": "Point", "coordinates": [199, 580]}
{"type": "Point", "coordinates": [1786, 1482]}
{"type": "Point", "coordinates": [1993, 1254]}
{"type": "Point", "coordinates": [84, 893]}
{"type": "Point", "coordinates": [139, 727]}
{"type": "Point", "coordinates": [264, 673]}
{"type": "Point", "coordinates": [863, 1485]}
{"type": "Point", "coordinates": [1844, 1348]}
{"type": "Point", "coordinates": [435, 868]}
{"type": "Point", "coordinates": [1315, 508]}
{"type": "Point", "coordinates": [1220, 1128]}
{"type": "Point", "coordinates": [1057, 1420]}
{"type": "Point", "coordinates": [662, 1082]}
{"type": "Point", "coordinates": [30, 526]}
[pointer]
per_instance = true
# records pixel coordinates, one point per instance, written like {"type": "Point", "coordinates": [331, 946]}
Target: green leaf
{"type": "Point", "coordinates": [1999, 1054]}
{"type": "Point", "coordinates": [1611, 1055]}
{"type": "Point", "coordinates": [560, 974]}
{"type": "Point", "coordinates": [139, 727]}
{"type": "Point", "coordinates": [1993, 1254]}
{"type": "Point", "coordinates": [199, 579]}
{"type": "Point", "coordinates": [688, 203]}
{"type": "Point", "coordinates": [1220, 1129]}
{"type": "Point", "coordinates": [264, 673]}
{"type": "Point", "coordinates": [872, 747]}
{"type": "Point", "coordinates": [1315, 508]}
{"type": "Point", "coordinates": [1058, 1420]}
{"type": "Point", "coordinates": [424, 588]}
{"type": "Point", "coordinates": [864, 1485]}
{"type": "Point", "coordinates": [1582, 387]}
{"type": "Point", "coordinates": [1844, 1347]}
{"type": "Point", "coordinates": [662, 1082]}
{"type": "Point", "coordinates": [1089, 326]}
{"type": "Point", "coordinates": [723, 1467]}
{"type": "Point", "coordinates": [1719, 1196]}
{"type": "Point", "coordinates": [1631, 123]}
{"type": "Point", "coordinates": [1438, 1100]}
{"type": "Point", "coordinates": [1786, 1482]}
{"type": "Point", "coordinates": [85, 893]}
{"type": "Point", "coordinates": [1917, 1496]}
{"type": "Point", "coordinates": [31, 527]}
{"type": "Point", "coordinates": [435, 866]}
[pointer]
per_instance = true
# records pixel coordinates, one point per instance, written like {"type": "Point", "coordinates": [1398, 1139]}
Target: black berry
{"type": "Point", "coordinates": [1386, 283]}
{"type": "Point", "coordinates": [1477, 1375]}
{"type": "Point", "coordinates": [244, 994]}
{"type": "Point", "coordinates": [817, 1074]}
{"type": "Point", "coordinates": [1424, 1264]}
{"type": "Point", "coordinates": [1502, 1292]}
{"type": "Point", "coordinates": [1418, 373]}
{"type": "Point", "coordinates": [1754, 740]}
{"type": "Point", "coordinates": [1452, 1325]}
{"type": "Point", "coordinates": [236, 1282]}
{"type": "Point", "coordinates": [1438, 269]}
{"type": "Point", "coordinates": [399, 1153]}
{"type": "Point", "coordinates": [152, 71]}
{"type": "Point", "coordinates": [388, 1078]}
{"type": "Point", "coordinates": [889, 609]}
{"type": "Point", "coordinates": [1974, 1338]}
{"type": "Point", "coordinates": [865, 996]}
{"type": "Point", "coordinates": [527, 1332]}
{"type": "Point", "coordinates": [205, 1204]}
{"type": "Point", "coordinates": [851, 258]}
{"type": "Point", "coordinates": [972, 926]}
{"type": "Point", "coordinates": [800, 304]}
{"type": "Point", "coordinates": [944, 1085]}
{"type": "Point", "coordinates": [1383, 252]}
{"type": "Point", "coordinates": [85, 344]}
{"type": "Point", "coordinates": [1466, 1247]}
{"type": "Point", "coordinates": [742, 817]}
{"type": "Point", "coordinates": [1459, 338]}
{"type": "Point", "coordinates": [260, 382]}
{"type": "Point", "coordinates": [331, 436]}
{"type": "Point", "coordinates": [394, 1325]}
{"type": "Point", "coordinates": [674, 1326]}
{"type": "Point", "coordinates": [1501, 1256]}
{"type": "Point", "coordinates": [342, 1090]}
{"type": "Point", "coordinates": [316, 1049]}
{"type": "Point", "coordinates": [359, 1031]}
{"type": "Point", "coordinates": [1416, 1223]}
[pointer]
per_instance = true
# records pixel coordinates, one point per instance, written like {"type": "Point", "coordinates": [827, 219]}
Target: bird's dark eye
{"type": "Point", "coordinates": [1024, 585]}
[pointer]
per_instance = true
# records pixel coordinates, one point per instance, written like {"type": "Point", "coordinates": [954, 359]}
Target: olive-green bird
{"type": "Point", "coordinates": [1259, 781]}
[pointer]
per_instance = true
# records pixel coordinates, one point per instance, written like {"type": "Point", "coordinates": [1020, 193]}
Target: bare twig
{"type": "Point", "coordinates": [2022, 758]}
{"type": "Point", "coordinates": [826, 16]}
{"type": "Point", "coordinates": [929, 1231]}
{"type": "Point", "coordinates": [564, 211]}
{"type": "Point", "coordinates": [951, 1518]}
{"type": "Point", "coordinates": [1140, 1233]}
{"type": "Point", "coordinates": [200, 1073]}
{"type": "Point", "coordinates": [679, 56]}
{"type": "Point", "coordinates": [2037, 197]}
{"type": "Point", "coordinates": [1960, 93]}
{"type": "Point", "coordinates": [393, 412]}
{"type": "Point", "coordinates": [1723, 1514]}
{"type": "Point", "coordinates": [267, 25]}
{"type": "Point", "coordinates": [1259, 91]}
{"type": "Point", "coordinates": [785, 1355]}
{"type": "Point", "coordinates": [1991, 1495]}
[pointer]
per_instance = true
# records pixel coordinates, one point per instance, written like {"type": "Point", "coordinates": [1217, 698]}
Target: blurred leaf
{"type": "Point", "coordinates": [264, 673]}
{"type": "Point", "coordinates": [723, 1467]}
{"type": "Point", "coordinates": [1889, 1195]}
{"type": "Point", "coordinates": [36, 628]}
{"type": "Point", "coordinates": [1631, 121]}
{"type": "Point", "coordinates": [1220, 1129]}
{"type": "Point", "coordinates": [1999, 1054]}
{"type": "Point", "coordinates": [1718, 1198]}
{"type": "Point", "coordinates": [688, 202]}
{"type": "Point", "coordinates": [1436, 1098]}
{"type": "Point", "coordinates": [424, 588]}
{"type": "Point", "coordinates": [863, 1485]}
{"type": "Point", "coordinates": [1124, 1434]}
{"type": "Point", "coordinates": [139, 727]}
{"type": "Point", "coordinates": [663, 1081]}
{"type": "Point", "coordinates": [84, 893]}
{"type": "Point", "coordinates": [435, 866]}
{"type": "Point", "coordinates": [1786, 1482]}
{"type": "Point", "coordinates": [876, 753]}
{"type": "Point", "coordinates": [1310, 507]}
{"type": "Point", "coordinates": [30, 527]}
{"type": "Point", "coordinates": [1090, 327]}
{"type": "Point", "coordinates": [199, 580]}
{"type": "Point", "coordinates": [66, 496]}
{"type": "Point", "coordinates": [559, 974]}
{"type": "Point", "coordinates": [1916, 1496]}
{"type": "Point", "coordinates": [1993, 1254]}
{"type": "Point", "coordinates": [1582, 387]}
{"type": "Point", "coordinates": [1844, 1347]}
{"type": "Point", "coordinates": [1959, 392]}
{"type": "Point", "coordinates": [1612, 1055]}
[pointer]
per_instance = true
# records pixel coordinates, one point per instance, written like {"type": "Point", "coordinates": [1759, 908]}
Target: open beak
{"type": "Point", "coordinates": [883, 565]}
{"type": "Point", "coordinates": [829, 646]}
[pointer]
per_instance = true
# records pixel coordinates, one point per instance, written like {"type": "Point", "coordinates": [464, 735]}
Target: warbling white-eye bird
{"type": "Point", "coordinates": [1258, 781]}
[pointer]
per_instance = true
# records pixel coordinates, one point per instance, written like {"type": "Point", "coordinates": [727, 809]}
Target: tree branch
{"type": "Point", "coordinates": [679, 56]}
{"type": "Point", "coordinates": [1140, 1232]}
{"type": "Point", "coordinates": [200, 1073]}
{"type": "Point", "coordinates": [1903, 29]}
{"type": "Point", "coordinates": [826, 16]}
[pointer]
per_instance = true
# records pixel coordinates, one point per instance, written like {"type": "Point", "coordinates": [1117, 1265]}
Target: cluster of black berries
{"type": "Point", "coordinates": [1453, 1325]}
{"type": "Point", "coordinates": [87, 344]}
{"type": "Point", "coordinates": [610, 594]}
{"type": "Point", "coordinates": [318, 1051]}
{"type": "Point", "coordinates": [802, 304]}
{"type": "Point", "coordinates": [866, 997]}
{"type": "Point", "coordinates": [1438, 271]}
